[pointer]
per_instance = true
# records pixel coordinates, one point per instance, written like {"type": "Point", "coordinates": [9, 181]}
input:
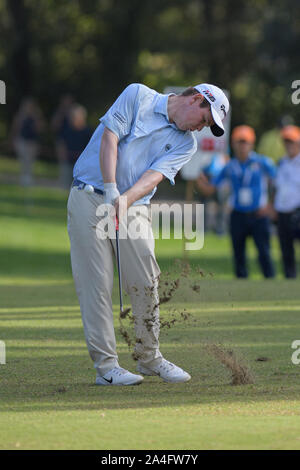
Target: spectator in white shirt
{"type": "Point", "coordinates": [287, 198]}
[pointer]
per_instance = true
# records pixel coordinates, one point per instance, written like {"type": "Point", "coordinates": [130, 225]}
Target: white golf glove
{"type": "Point", "coordinates": [111, 193]}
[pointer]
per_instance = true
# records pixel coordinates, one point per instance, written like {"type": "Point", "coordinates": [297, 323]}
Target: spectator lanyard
{"type": "Point", "coordinates": [244, 195]}
{"type": "Point", "coordinates": [244, 179]}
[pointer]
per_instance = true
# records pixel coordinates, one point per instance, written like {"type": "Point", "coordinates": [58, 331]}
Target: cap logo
{"type": "Point", "coordinates": [209, 95]}
{"type": "Point", "coordinates": [223, 109]}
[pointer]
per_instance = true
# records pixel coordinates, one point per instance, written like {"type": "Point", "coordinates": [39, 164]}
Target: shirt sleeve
{"type": "Point", "coordinates": [221, 177]}
{"type": "Point", "coordinates": [278, 173]}
{"type": "Point", "coordinates": [173, 161]}
{"type": "Point", "coordinates": [120, 115]}
{"type": "Point", "coordinates": [269, 167]}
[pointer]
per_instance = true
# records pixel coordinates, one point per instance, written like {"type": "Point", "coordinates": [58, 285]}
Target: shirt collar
{"type": "Point", "coordinates": [161, 105]}
{"type": "Point", "coordinates": [297, 157]}
{"type": "Point", "coordinates": [250, 158]}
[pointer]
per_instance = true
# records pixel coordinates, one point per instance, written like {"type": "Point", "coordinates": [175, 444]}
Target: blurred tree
{"type": "Point", "coordinates": [20, 67]}
{"type": "Point", "coordinates": [94, 48]}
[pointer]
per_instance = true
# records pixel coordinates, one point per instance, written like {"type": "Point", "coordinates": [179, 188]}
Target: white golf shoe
{"type": "Point", "coordinates": [119, 376]}
{"type": "Point", "coordinates": [165, 370]}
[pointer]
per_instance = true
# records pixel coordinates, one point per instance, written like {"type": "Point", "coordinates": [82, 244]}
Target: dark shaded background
{"type": "Point", "coordinates": [94, 48]}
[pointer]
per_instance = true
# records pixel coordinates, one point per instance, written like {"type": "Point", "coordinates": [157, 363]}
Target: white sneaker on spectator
{"type": "Point", "coordinates": [119, 376]}
{"type": "Point", "coordinates": [166, 370]}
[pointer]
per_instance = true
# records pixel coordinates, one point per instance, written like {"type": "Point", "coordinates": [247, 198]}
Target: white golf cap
{"type": "Point", "coordinates": [219, 105]}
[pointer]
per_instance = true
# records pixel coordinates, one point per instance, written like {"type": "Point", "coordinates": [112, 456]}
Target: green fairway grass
{"type": "Point", "coordinates": [48, 399]}
{"type": "Point", "coordinates": [10, 166]}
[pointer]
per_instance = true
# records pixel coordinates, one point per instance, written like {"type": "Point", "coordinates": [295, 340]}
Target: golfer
{"type": "Point", "coordinates": [143, 138]}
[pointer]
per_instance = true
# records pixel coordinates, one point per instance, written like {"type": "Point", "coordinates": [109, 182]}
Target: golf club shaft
{"type": "Point", "coordinates": [119, 264]}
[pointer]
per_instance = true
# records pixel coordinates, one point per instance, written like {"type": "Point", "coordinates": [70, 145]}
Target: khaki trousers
{"type": "Point", "coordinates": [92, 260]}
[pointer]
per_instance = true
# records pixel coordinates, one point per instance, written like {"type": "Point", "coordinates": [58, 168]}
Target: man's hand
{"type": "Point", "coordinates": [267, 211]}
{"type": "Point", "coordinates": [111, 193]}
{"type": "Point", "coordinates": [204, 186]}
{"type": "Point", "coordinates": [202, 178]}
{"type": "Point", "coordinates": [121, 206]}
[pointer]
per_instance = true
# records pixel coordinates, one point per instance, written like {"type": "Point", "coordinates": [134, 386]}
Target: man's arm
{"type": "Point", "coordinates": [108, 156]}
{"type": "Point", "coordinates": [117, 122]}
{"type": "Point", "coordinates": [206, 188]}
{"type": "Point", "coordinates": [270, 171]}
{"type": "Point", "coordinates": [108, 164]}
{"type": "Point", "coordinates": [143, 186]}
{"type": "Point", "coordinates": [268, 210]}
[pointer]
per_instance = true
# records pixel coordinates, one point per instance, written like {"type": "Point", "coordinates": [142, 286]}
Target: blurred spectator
{"type": "Point", "coordinates": [26, 129]}
{"type": "Point", "coordinates": [60, 124]}
{"type": "Point", "coordinates": [211, 171]}
{"type": "Point", "coordinates": [75, 138]}
{"type": "Point", "coordinates": [271, 143]}
{"type": "Point", "coordinates": [287, 198]}
{"type": "Point", "coordinates": [248, 174]}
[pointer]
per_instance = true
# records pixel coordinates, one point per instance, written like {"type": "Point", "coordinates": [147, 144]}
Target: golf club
{"type": "Point", "coordinates": [119, 264]}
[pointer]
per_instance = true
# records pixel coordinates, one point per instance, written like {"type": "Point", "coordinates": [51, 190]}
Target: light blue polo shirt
{"type": "Point", "coordinates": [248, 180]}
{"type": "Point", "coordinates": [147, 141]}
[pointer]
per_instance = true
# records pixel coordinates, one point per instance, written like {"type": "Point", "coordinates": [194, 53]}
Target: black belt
{"type": "Point", "coordinates": [87, 187]}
